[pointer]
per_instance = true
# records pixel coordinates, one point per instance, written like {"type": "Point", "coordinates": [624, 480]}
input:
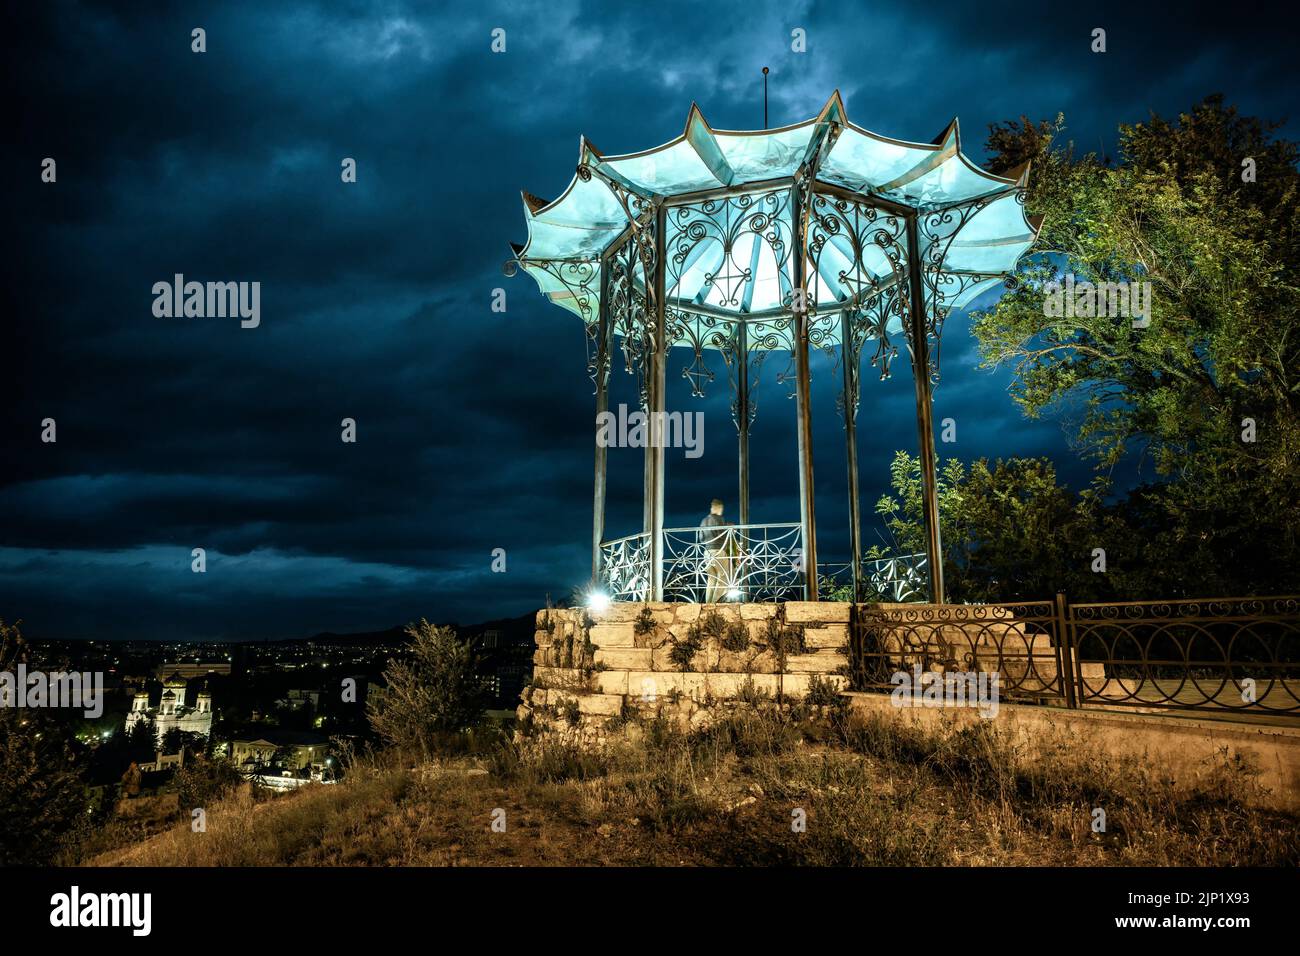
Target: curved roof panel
{"type": "Point", "coordinates": [730, 237]}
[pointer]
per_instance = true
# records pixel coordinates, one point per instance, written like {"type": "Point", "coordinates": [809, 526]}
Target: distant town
{"type": "Point", "coordinates": [279, 710]}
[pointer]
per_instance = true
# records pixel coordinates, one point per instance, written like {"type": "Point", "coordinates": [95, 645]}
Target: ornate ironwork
{"type": "Point", "coordinates": [714, 228]}
{"type": "Point", "coordinates": [1020, 642]}
{"type": "Point", "coordinates": [1235, 654]}
{"type": "Point", "coordinates": [625, 568]}
{"type": "Point", "coordinates": [933, 226]}
{"type": "Point", "coordinates": [631, 302]}
{"type": "Point", "coordinates": [750, 562]}
{"type": "Point", "coordinates": [637, 207]}
{"type": "Point", "coordinates": [855, 230]}
{"type": "Point", "coordinates": [897, 580]}
{"type": "Point", "coordinates": [775, 334]}
{"type": "Point", "coordinates": [1222, 655]}
{"type": "Point", "coordinates": [700, 333]}
{"type": "Point", "coordinates": [754, 357]}
{"type": "Point", "coordinates": [863, 228]}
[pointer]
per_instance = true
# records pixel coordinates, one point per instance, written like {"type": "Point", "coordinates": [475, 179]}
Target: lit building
{"type": "Point", "coordinates": [172, 712]}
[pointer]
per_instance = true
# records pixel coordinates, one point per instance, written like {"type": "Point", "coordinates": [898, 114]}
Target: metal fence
{"type": "Point", "coordinates": [898, 580]}
{"type": "Point", "coordinates": [1020, 641]}
{"type": "Point", "coordinates": [1215, 654]}
{"type": "Point", "coordinates": [749, 562]}
{"type": "Point", "coordinates": [745, 562]}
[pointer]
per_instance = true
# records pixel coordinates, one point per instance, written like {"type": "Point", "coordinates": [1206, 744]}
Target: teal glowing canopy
{"type": "Point", "coordinates": [749, 218]}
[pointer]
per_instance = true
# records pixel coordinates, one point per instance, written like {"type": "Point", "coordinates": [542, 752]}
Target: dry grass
{"type": "Point", "coordinates": [872, 793]}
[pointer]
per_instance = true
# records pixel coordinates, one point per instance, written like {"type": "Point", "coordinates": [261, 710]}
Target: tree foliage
{"type": "Point", "coordinates": [1221, 354]}
{"type": "Point", "coordinates": [435, 694]}
{"type": "Point", "coordinates": [42, 794]}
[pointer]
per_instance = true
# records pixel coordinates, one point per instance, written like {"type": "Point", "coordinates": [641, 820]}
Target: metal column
{"type": "Point", "coordinates": [803, 398]}
{"type": "Point", "coordinates": [850, 360]}
{"type": "Point", "coordinates": [924, 413]}
{"type": "Point", "coordinates": [602, 406]}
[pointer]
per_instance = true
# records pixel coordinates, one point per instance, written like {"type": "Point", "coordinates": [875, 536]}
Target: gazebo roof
{"type": "Point", "coordinates": [735, 186]}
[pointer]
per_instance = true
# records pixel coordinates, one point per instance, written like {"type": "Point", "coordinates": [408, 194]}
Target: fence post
{"type": "Point", "coordinates": [1065, 653]}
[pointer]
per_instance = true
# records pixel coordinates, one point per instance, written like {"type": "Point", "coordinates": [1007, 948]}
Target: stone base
{"type": "Point", "coordinates": [596, 672]}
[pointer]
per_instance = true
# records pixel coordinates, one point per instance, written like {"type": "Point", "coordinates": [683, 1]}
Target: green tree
{"type": "Point", "coordinates": [177, 739]}
{"type": "Point", "coordinates": [42, 795]}
{"type": "Point", "coordinates": [431, 697]}
{"type": "Point", "coordinates": [1221, 354]}
{"type": "Point", "coordinates": [1011, 531]}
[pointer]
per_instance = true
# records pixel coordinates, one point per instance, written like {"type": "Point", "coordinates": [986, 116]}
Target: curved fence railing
{"type": "Point", "coordinates": [1240, 654]}
{"type": "Point", "coordinates": [749, 562]}
{"type": "Point", "coordinates": [898, 580]}
{"type": "Point", "coordinates": [1019, 641]}
{"type": "Point", "coordinates": [1214, 654]}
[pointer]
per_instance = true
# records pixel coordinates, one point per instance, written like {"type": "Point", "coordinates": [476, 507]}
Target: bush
{"type": "Point", "coordinates": [202, 782]}
{"type": "Point", "coordinates": [435, 695]}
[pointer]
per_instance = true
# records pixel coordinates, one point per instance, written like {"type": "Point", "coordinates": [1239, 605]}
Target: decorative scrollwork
{"type": "Point", "coordinates": [733, 355]}
{"type": "Point", "coordinates": [752, 562]}
{"type": "Point", "coordinates": [625, 568]}
{"type": "Point", "coordinates": [724, 236]}
{"type": "Point", "coordinates": [938, 228]}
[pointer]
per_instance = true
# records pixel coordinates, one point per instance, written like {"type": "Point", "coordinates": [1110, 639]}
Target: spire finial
{"type": "Point", "coordinates": [764, 97]}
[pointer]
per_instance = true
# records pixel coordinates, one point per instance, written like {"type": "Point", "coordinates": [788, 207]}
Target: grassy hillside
{"type": "Point", "coordinates": [872, 794]}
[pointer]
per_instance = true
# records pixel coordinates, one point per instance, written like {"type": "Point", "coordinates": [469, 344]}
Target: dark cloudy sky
{"type": "Point", "coordinates": [474, 427]}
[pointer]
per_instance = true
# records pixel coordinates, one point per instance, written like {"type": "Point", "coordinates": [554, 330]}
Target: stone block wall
{"type": "Point", "coordinates": [594, 671]}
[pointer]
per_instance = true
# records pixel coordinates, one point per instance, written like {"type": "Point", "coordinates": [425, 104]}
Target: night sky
{"type": "Point", "coordinates": [474, 427]}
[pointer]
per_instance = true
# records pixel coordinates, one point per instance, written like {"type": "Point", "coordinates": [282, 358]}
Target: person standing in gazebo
{"type": "Point", "coordinates": [717, 553]}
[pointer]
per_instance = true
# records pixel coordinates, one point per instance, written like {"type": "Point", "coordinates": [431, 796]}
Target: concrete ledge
{"type": "Point", "coordinates": [1185, 748]}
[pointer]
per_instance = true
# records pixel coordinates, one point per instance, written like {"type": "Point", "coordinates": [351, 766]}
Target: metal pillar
{"type": "Point", "coordinates": [655, 452]}
{"type": "Point", "coordinates": [850, 359]}
{"type": "Point", "coordinates": [807, 514]}
{"type": "Point", "coordinates": [742, 418]}
{"type": "Point", "coordinates": [602, 406]}
{"type": "Point", "coordinates": [924, 413]}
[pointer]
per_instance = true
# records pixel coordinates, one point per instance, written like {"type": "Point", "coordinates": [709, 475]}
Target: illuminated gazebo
{"type": "Point", "coordinates": [817, 235]}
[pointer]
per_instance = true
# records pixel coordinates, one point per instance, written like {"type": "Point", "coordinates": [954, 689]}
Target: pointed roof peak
{"type": "Point", "coordinates": [951, 133]}
{"type": "Point", "coordinates": [535, 204]}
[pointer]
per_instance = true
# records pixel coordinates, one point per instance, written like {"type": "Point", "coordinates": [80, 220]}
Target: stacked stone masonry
{"type": "Point", "coordinates": [594, 671]}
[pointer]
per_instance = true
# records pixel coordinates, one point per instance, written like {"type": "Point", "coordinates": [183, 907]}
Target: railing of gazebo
{"type": "Point", "coordinates": [750, 562]}
{"type": "Point", "coordinates": [747, 562]}
{"type": "Point", "coordinates": [897, 580]}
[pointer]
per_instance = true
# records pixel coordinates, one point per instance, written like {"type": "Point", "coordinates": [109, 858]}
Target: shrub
{"type": "Point", "coordinates": [822, 692]}
{"type": "Point", "coordinates": [202, 782]}
{"type": "Point", "coordinates": [644, 623]}
{"type": "Point", "coordinates": [436, 694]}
{"type": "Point", "coordinates": [683, 652]}
{"type": "Point", "coordinates": [736, 636]}
{"type": "Point", "coordinates": [784, 639]}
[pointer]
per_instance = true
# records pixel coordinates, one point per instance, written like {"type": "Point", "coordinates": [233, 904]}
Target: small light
{"type": "Point", "coordinates": [733, 594]}
{"type": "Point", "coordinates": [598, 600]}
